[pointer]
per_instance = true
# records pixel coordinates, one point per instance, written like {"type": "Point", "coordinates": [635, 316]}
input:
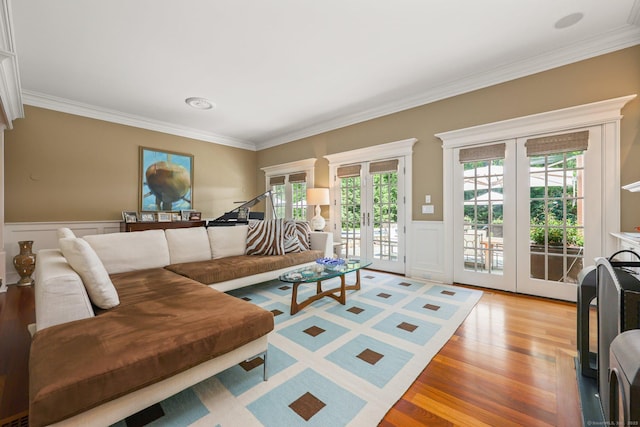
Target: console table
{"type": "Point", "coordinates": [141, 226]}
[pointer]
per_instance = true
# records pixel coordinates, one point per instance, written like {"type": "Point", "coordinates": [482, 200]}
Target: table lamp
{"type": "Point", "coordinates": [318, 197]}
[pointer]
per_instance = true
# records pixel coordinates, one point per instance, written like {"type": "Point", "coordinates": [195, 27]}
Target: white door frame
{"type": "Point", "coordinates": [403, 148]}
{"type": "Point", "coordinates": [606, 113]}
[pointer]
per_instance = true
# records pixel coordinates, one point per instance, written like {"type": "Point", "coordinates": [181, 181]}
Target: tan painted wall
{"type": "Point", "coordinates": [608, 76]}
{"type": "Point", "coordinates": [62, 167]}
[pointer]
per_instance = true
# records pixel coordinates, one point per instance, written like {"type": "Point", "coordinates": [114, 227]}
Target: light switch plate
{"type": "Point", "coordinates": [427, 198]}
{"type": "Point", "coordinates": [427, 209]}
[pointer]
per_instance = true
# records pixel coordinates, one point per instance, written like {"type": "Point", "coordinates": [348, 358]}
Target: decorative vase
{"type": "Point", "coordinates": [25, 263]}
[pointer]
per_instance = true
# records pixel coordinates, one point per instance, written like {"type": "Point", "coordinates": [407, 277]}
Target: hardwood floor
{"type": "Point", "coordinates": [16, 312]}
{"type": "Point", "coordinates": [510, 363]}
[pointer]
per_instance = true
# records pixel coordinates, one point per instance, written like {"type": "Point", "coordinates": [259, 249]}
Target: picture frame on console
{"type": "Point", "coordinates": [195, 216]}
{"type": "Point", "coordinates": [185, 213]}
{"type": "Point", "coordinates": [164, 216]}
{"type": "Point", "coordinates": [128, 216]}
{"type": "Point", "coordinates": [165, 180]}
{"type": "Point", "coordinates": [147, 217]}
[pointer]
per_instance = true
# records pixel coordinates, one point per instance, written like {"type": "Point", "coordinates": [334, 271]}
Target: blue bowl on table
{"type": "Point", "coordinates": [331, 263]}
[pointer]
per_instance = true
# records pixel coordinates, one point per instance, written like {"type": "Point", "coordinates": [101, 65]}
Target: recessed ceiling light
{"type": "Point", "coordinates": [199, 103]}
{"type": "Point", "coordinates": [568, 20]}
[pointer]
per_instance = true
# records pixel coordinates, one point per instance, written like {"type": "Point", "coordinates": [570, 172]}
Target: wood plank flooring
{"type": "Point", "coordinates": [510, 363]}
{"type": "Point", "coordinates": [16, 312]}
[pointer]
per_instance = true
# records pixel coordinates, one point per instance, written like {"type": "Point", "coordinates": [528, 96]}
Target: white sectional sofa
{"type": "Point", "coordinates": [95, 366]}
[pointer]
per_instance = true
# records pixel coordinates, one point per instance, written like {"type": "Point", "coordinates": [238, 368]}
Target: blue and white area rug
{"type": "Point", "coordinates": [329, 364]}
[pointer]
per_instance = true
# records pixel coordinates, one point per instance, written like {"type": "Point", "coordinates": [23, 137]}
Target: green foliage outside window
{"type": "Point", "coordinates": [385, 198]}
{"type": "Point", "coordinates": [350, 203]}
{"type": "Point", "coordinates": [555, 230]}
{"type": "Point", "coordinates": [299, 202]}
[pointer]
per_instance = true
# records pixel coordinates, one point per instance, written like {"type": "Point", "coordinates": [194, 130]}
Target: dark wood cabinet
{"type": "Point", "coordinates": [141, 226]}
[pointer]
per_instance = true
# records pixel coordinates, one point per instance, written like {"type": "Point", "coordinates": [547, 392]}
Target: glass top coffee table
{"type": "Point", "coordinates": [318, 273]}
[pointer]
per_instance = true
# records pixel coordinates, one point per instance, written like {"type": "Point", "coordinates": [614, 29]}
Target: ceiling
{"type": "Point", "coordinates": [281, 70]}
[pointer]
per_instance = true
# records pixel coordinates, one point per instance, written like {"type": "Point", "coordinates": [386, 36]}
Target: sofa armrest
{"type": "Point", "coordinates": [60, 295]}
{"type": "Point", "coordinates": [322, 241]}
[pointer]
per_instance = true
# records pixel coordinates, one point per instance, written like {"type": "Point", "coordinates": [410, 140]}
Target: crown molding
{"type": "Point", "coordinates": [10, 94]}
{"type": "Point", "coordinates": [12, 97]}
{"type": "Point", "coordinates": [618, 39]}
{"type": "Point", "coordinates": [49, 102]}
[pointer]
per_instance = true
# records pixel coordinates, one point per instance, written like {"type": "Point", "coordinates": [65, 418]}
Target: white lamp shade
{"type": "Point", "coordinates": [317, 196]}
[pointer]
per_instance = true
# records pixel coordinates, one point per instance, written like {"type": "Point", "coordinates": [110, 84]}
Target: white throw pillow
{"type": "Point", "coordinates": [64, 232]}
{"type": "Point", "coordinates": [83, 259]}
{"type": "Point", "coordinates": [228, 241]}
{"type": "Point", "coordinates": [188, 244]}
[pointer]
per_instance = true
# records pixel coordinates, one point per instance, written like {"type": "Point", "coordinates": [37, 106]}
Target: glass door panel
{"type": "Point", "coordinates": [371, 212]}
{"type": "Point", "coordinates": [385, 216]}
{"type": "Point", "coordinates": [483, 216]}
{"type": "Point", "coordinates": [279, 200]}
{"type": "Point", "coordinates": [559, 201]}
{"type": "Point", "coordinates": [350, 191]}
{"type": "Point", "coordinates": [299, 206]}
{"type": "Point", "coordinates": [556, 216]}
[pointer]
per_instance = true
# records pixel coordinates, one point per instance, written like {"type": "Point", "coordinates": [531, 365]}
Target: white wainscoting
{"type": "Point", "coordinates": [44, 236]}
{"type": "Point", "coordinates": [426, 251]}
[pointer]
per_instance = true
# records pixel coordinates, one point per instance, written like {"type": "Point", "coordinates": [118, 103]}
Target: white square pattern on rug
{"type": "Point", "coordinates": [329, 364]}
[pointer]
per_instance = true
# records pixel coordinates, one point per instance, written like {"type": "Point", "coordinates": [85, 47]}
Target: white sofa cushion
{"type": "Point", "coordinates": [228, 241]}
{"type": "Point", "coordinates": [64, 232]}
{"type": "Point", "coordinates": [188, 244]}
{"type": "Point", "coordinates": [59, 292]}
{"type": "Point", "coordinates": [137, 250]}
{"type": "Point", "coordinates": [86, 263]}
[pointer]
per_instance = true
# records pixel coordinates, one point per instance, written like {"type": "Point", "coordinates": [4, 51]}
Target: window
{"type": "Point", "coordinates": [288, 183]}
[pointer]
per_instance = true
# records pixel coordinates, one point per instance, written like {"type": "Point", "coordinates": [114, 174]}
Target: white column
{"type": "Point", "coordinates": [3, 254]}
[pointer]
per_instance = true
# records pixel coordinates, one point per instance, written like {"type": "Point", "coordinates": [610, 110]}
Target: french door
{"type": "Point", "coordinates": [559, 180]}
{"type": "Point", "coordinates": [371, 212]}
{"type": "Point", "coordinates": [528, 213]}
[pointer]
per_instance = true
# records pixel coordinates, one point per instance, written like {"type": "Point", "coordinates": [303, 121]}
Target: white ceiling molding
{"type": "Point", "coordinates": [10, 95]}
{"type": "Point", "coordinates": [598, 45]}
{"type": "Point", "coordinates": [624, 33]}
{"type": "Point", "coordinates": [79, 109]}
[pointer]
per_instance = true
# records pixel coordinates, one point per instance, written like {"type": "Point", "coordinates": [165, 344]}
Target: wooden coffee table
{"type": "Point", "coordinates": [319, 273]}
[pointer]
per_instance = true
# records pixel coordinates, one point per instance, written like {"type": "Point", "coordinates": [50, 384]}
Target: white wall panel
{"type": "Point", "coordinates": [44, 236]}
{"type": "Point", "coordinates": [426, 251]}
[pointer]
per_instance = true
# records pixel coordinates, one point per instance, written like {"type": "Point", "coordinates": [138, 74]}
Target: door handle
{"type": "Point", "coordinates": [368, 219]}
